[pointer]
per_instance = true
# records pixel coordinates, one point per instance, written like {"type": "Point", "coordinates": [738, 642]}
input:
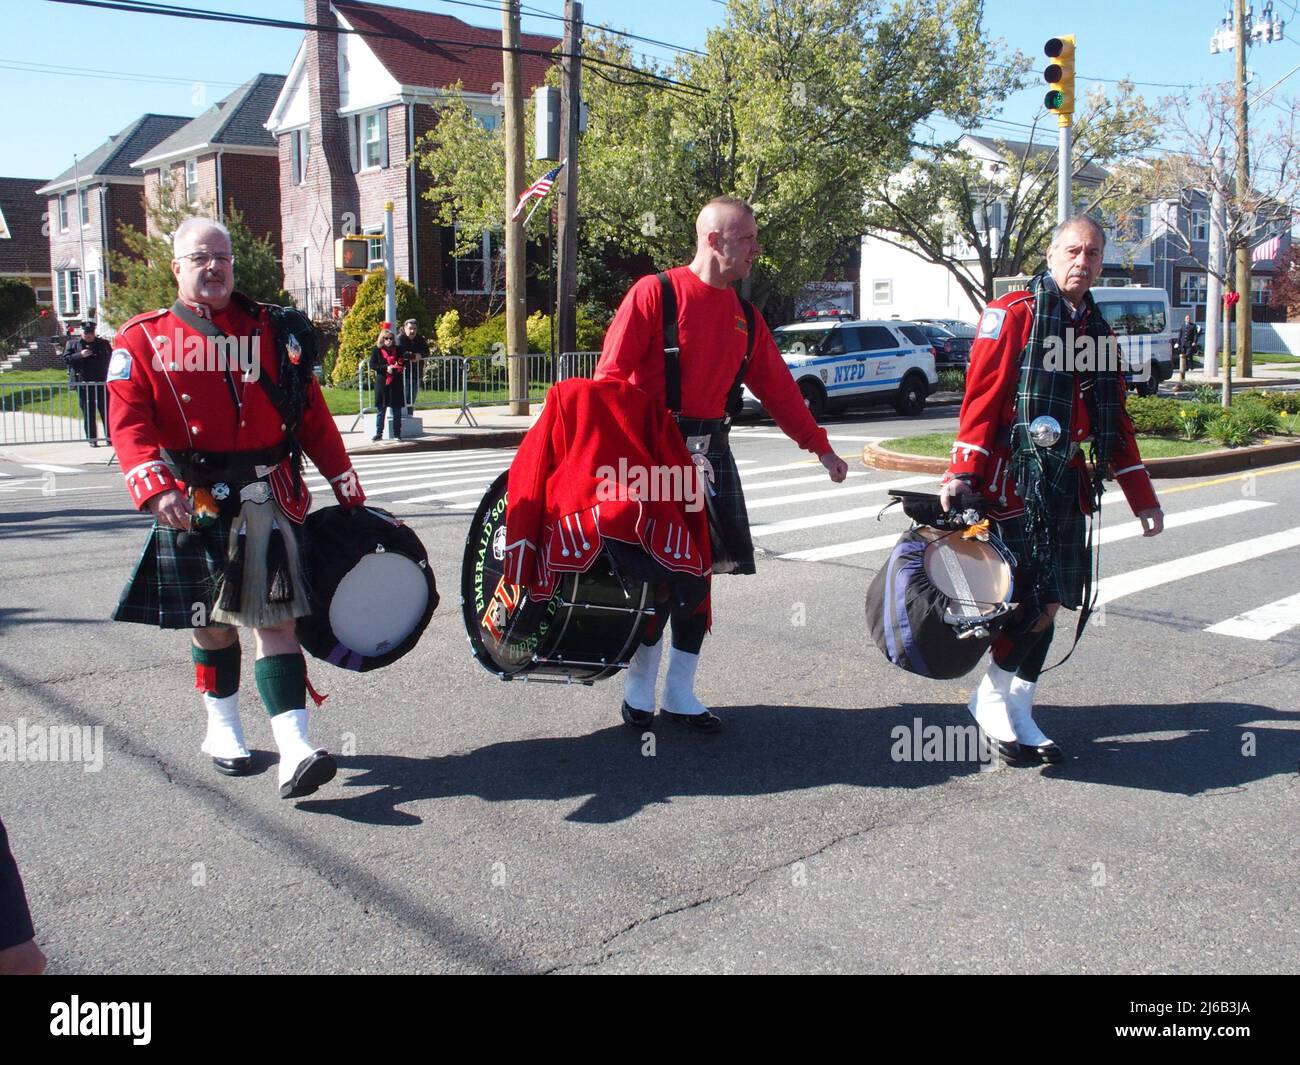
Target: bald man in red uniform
{"type": "Point", "coordinates": [722, 341]}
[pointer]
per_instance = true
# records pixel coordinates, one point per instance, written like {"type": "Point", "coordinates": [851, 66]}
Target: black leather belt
{"type": "Point", "coordinates": [202, 469]}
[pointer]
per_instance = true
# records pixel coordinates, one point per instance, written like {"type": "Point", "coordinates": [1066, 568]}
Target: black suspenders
{"type": "Point", "coordinates": [673, 352]}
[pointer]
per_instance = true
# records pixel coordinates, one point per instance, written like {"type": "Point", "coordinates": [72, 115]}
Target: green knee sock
{"type": "Point", "coordinates": [216, 672]}
{"type": "Point", "coordinates": [282, 682]}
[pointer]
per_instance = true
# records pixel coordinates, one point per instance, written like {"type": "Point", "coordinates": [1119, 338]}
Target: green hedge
{"type": "Point", "coordinates": [1155, 416]}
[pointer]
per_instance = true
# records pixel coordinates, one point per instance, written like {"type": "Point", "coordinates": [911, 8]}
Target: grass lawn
{"type": "Point", "coordinates": [9, 377]}
{"type": "Point", "coordinates": [1259, 357]}
{"type": "Point", "coordinates": [939, 445]}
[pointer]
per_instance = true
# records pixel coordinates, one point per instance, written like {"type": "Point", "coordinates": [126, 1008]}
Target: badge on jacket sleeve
{"type": "Point", "coordinates": [119, 367]}
{"type": "Point", "coordinates": [991, 323]}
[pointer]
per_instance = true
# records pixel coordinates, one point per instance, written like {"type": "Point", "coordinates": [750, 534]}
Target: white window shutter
{"type": "Point", "coordinates": [354, 141]}
{"type": "Point", "coordinates": [383, 130]}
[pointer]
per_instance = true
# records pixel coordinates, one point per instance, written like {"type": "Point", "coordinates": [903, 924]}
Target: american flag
{"type": "Point", "coordinates": [1267, 251]}
{"type": "Point", "coordinates": [538, 188]}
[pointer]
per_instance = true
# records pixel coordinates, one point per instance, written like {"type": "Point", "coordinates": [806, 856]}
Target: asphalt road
{"type": "Point", "coordinates": [483, 826]}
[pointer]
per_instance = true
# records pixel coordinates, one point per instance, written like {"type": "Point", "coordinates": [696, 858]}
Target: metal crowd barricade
{"type": "Point", "coordinates": [53, 412]}
{"type": "Point", "coordinates": [577, 364]}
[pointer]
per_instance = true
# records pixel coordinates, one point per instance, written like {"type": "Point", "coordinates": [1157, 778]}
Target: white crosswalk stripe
{"type": "Point", "coordinates": [1264, 622]}
{"type": "Point", "coordinates": [1111, 588]}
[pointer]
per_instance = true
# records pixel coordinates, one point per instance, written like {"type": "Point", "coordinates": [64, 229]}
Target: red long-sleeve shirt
{"type": "Point", "coordinates": [712, 333]}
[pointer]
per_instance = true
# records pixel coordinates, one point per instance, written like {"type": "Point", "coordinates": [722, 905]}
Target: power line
{"type": "Point", "coordinates": [109, 75]}
{"type": "Point", "coordinates": [150, 7]}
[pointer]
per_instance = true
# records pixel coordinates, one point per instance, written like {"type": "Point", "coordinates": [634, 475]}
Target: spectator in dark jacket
{"type": "Point", "coordinates": [87, 357]}
{"type": "Point", "coordinates": [411, 343]}
{"type": "Point", "coordinates": [1188, 336]}
{"type": "Point", "coordinates": [389, 365]}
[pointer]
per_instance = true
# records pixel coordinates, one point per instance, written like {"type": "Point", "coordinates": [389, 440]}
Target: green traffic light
{"type": "Point", "coordinates": [1054, 99]}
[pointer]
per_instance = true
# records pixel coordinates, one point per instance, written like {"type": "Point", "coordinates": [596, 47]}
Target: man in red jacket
{"type": "Point", "coordinates": [210, 414]}
{"type": "Point", "coordinates": [719, 341]}
{"type": "Point", "coordinates": [1044, 380]}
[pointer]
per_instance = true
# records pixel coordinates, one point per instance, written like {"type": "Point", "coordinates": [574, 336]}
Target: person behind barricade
{"type": "Point", "coordinates": [214, 403]}
{"type": "Point", "coordinates": [1188, 335]}
{"type": "Point", "coordinates": [87, 357]}
{"type": "Point", "coordinates": [687, 339]}
{"type": "Point", "coordinates": [389, 364]}
{"type": "Point", "coordinates": [1030, 419]}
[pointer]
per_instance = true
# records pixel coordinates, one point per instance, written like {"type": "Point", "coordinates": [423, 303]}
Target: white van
{"type": "Point", "coordinates": [1140, 318]}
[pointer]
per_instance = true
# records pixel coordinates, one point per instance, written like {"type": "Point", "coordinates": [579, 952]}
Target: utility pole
{"type": "Point", "coordinates": [1233, 33]}
{"type": "Point", "coordinates": [516, 307]}
{"type": "Point", "coordinates": [1214, 276]}
{"type": "Point", "coordinates": [1243, 193]}
{"type": "Point", "coordinates": [566, 311]}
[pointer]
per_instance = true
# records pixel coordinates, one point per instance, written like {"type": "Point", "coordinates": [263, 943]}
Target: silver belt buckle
{"type": "Point", "coordinates": [698, 446]}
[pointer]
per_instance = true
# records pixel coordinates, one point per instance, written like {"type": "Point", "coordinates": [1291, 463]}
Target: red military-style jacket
{"type": "Point", "coordinates": [982, 451]}
{"type": "Point", "coordinates": [167, 392]}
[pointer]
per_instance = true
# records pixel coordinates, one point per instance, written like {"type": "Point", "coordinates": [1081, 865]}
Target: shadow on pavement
{"type": "Point", "coordinates": [1186, 749]}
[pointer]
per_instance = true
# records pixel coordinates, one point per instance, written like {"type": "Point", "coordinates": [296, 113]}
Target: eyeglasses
{"type": "Point", "coordinates": [202, 258]}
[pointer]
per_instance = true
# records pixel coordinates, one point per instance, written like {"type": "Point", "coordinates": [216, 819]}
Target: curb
{"type": "Point", "coordinates": [459, 441]}
{"type": "Point", "coordinates": [1229, 460]}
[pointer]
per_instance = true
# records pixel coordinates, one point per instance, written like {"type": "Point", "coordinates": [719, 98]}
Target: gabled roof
{"type": "Point", "coordinates": [27, 249]}
{"type": "Point", "coordinates": [441, 58]}
{"type": "Point", "coordinates": [1042, 154]}
{"type": "Point", "coordinates": [235, 122]}
{"type": "Point", "coordinates": [112, 159]}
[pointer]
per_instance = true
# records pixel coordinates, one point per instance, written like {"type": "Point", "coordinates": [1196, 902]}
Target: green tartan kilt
{"type": "Point", "coordinates": [170, 582]}
{"type": "Point", "coordinates": [1072, 561]}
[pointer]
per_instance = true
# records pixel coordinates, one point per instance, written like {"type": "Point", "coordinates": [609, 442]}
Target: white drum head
{"type": "Point", "coordinates": [378, 603]}
{"type": "Point", "coordinates": [971, 573]}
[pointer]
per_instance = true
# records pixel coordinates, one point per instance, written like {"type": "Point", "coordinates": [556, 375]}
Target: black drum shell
{"type": "Point", "coordinates": [337, 539]}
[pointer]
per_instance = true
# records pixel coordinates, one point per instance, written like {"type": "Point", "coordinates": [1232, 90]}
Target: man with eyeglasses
{"type": "Point", "coordinates": [211, 447]}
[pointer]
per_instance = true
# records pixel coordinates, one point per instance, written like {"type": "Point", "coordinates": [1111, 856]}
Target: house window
{"type": "Point", "coordinates": [1259, 287]}
{"type": "Point", "coordinates": [473, 271]}
{"type": "Point", "coordinates": [63, 213]}
{"type": "Point", "coordinates": [83, 199]}
{"type": "Point", "coordinates": [882, 291]}
{"type": "Point", "coordinates": [192, 180]}
{"type": "Point", "coordinates": [489, 120]}
{"type": "Point", "coordinates": [44, 296]}
{"type": "Point", "coordinates": [374, 143]}
{"type": "Point", "coordinates": [299, 150]}
{"type": "Point", "coordinates": [69, 284]}
{"type": "Point", "coordinates": [1191, 290]}
{"type": "Point", "coordinates": [1200, 224]}
{"type": "Point", "coordinates": [375, 243]}
{"type": "Point", "coordinates": [92, 293]}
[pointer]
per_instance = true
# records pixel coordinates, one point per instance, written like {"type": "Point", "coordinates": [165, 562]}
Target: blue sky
{"type": "Point", "coordinates": [70, 76]}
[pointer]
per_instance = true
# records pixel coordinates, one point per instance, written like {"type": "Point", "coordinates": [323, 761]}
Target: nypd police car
{"type": "Point", "coordinates": [837, 364]}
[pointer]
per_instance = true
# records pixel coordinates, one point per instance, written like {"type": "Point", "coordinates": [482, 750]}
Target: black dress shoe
{"type": "Point", "coordinates": [1043, 753]}
{"type": "Point", "coordinates": [637, 718]}
{"type": "Point", "coordinates": [705, 722]}
{"type": "Point", "coordinates": [313, 771]}
{"type": "Point", "coordinates": [1010, 751]}
{"type": "Point", "coordinates": [233, 767]}
{"type": "Point", "coordinates": [375, 439]}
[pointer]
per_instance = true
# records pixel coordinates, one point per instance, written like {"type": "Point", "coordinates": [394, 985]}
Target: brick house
{"type": "Point", "coordinates": [87, 202]}
{"type": "Point", "coordinates": [24, 247]}
{"type": "Point", "coordinates": [347, 120]}
{"type": "Point", "coordinates": [225, 158]}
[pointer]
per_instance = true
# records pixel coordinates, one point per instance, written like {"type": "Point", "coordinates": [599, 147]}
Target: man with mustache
{"type": "Point", "coordinates": [211, 447]}
{"type": "Point", "coordinates": [687, 339]}
{"type": "Point", "coordinates": [1038, 487]}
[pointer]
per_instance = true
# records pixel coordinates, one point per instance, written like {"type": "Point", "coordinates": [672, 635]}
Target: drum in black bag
{"type": "Point", "coordinates": [938, 601]}
{"type": "Point", "coordinates": [587, 631]}
{"type": "Point", "coordinates": [373, 590]}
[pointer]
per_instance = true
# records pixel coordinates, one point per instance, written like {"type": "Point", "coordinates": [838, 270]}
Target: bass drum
{"type": "Point", "coordinates": [373, 590]}
{"type": "Point", "coordinates": [587, 631]}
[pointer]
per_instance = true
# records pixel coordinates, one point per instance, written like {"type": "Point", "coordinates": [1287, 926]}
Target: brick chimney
{"type": "Point", "coordinates": [331, 182]}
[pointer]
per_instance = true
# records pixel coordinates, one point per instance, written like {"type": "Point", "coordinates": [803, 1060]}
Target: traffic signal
{"type": "Point", "coordinates": [1060, 76]}
{"type": "Point", "coordinates": [352, 254]}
